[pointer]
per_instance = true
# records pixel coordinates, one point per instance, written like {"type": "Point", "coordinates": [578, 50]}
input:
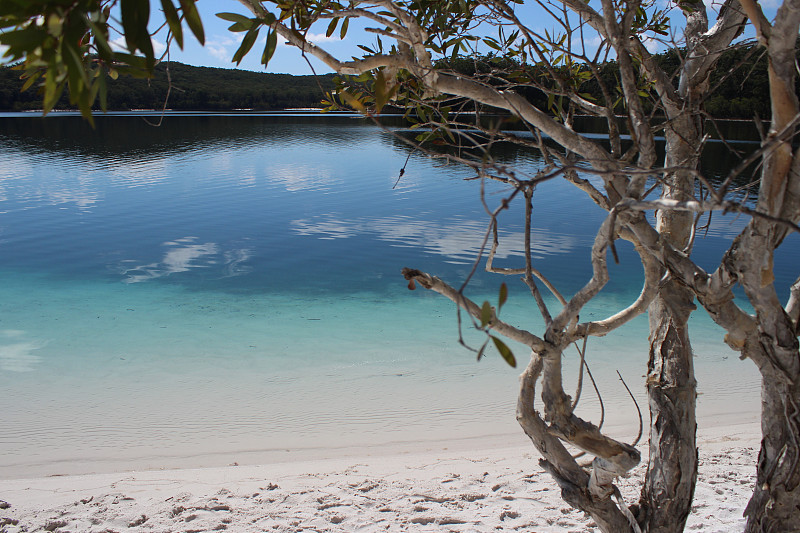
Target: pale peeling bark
{"type": "Point", "coordinates": [773, 346]}
{"type": "Point", "coordinates": [668, 490]}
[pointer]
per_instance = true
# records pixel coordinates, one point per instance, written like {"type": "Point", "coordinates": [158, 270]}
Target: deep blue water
{"type": "Point", "coordinates": [225, 284]}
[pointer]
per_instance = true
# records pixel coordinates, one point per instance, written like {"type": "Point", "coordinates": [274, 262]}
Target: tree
{"type": "Point", "coordinates": [417, 63]}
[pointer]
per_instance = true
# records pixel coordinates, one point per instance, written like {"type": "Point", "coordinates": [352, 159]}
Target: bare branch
{"type": "Point", "coordinates": [437, 285]}
{"type": "Point", "coordinates": [652, 273]}
{"type": "Point", "coordinates": [599, 279]}
{"type": "Point", "coordinates": [558, 461]}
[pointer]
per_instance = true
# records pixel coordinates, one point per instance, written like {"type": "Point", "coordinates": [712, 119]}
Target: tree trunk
{"type": "Point", "coordinates": [672, 468]}
{"type": "Point", "coordinates": [773, 346]}
{"type": "Point", "coordinates": [666, 498]}
{"type": "Point", "coordinates": [775, 505]}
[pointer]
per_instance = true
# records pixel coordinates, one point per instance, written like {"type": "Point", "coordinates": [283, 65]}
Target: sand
{"type": "Point", "coordinates": [500, 488]}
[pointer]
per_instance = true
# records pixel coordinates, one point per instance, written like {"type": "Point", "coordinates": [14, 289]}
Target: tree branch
{"type": "Point", "coordinates": [652, 273]}
{"type": "Point", "coordinates": [437, 285]}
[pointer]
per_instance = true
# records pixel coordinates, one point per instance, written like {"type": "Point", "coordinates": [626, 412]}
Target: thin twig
{"type": "Point", "coordinates": [641, 423]}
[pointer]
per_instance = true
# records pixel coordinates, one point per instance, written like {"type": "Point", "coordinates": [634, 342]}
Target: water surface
{"type": "Point", "coordinates": [223, 286]}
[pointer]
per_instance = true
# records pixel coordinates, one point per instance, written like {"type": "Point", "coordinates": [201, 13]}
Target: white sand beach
{"type": "Point", "coordinates": [479, 485]}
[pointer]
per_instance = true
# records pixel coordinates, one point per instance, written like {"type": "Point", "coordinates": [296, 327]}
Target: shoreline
{"type": "Point", "coordinates": [451, 486]}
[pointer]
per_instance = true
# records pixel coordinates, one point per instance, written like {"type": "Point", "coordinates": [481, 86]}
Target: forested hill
{"type": "Point", "coordinates": [193, 88]}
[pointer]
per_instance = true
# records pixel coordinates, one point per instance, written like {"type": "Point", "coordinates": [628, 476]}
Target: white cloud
{"type": "Point", "coordinates": [159, 47]}
{"type": "Point", "coordinates": [318, 38]}
{"type": "Point", "coordinates": [222, 47]}
{"type": "Point", "coordinates": [651, 44]}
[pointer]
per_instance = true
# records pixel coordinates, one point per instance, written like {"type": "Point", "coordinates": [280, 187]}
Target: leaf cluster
{"type": "Point", "coordinates": [65, 44]}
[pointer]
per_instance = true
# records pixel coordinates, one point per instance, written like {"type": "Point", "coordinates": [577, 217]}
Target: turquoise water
{"type": "Point", "coordinates": [223, 286]}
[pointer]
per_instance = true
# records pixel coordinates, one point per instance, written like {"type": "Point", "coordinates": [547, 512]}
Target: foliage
{"type": "Point", "coordinates": [66, 43]}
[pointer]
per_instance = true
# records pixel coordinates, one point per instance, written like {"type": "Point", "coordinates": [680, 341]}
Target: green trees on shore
{"type": "Point", "coordinates": [193, 89]}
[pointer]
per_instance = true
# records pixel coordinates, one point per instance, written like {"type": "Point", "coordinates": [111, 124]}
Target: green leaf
{"type": "Point", "coordinates": [52, 90]}
{"type": "Point", "coordinates": [345, 25]}
{"type": "Point", "coordinates": [505, 352]}
{"type": "Point", "coordinates": [23, 40]}
{"type": "Point", "coordinates": [55, 24]}
{"type": "Point", "coordinates": [486, 314]}
{"type": "Point", "coordinates": [247, 43]}
{"type": "Point", "coordinates": [491, 43]}
{"type": "Point", "coordinates": [331, 27]}
{"type": "Point", "coordinates": [482, 349]}
{"type": "Point", "coordinates": [74, 64]}
{"type": "Point", "coordinates": [269, 49]}
{"type": "Point", "coordinates": [352, 101]}
{"type": "Point", "coordinates": [239, 27]}
{"type": "Point", "coordinates": [103, 92]}
{"type": "Point", "coordinates": [193, 19]}
{"type": "Point", "coordinates": [503, 296]}
{"type": "Point", "coordinates": [234, 17]}
{"type": "Point", "coordinates": [174, 21]}
{"type": "Point", "coordinates": [100, 41]}
{"type": "Point", "coordinates": [135, 16]}
{"type": "Point", "coordinates": [30, 81]}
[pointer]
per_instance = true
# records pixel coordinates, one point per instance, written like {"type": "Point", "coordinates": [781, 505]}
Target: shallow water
{"type": "Point", "coordinates": [231, 284]}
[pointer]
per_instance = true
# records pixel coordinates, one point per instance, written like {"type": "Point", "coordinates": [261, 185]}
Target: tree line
{"type": "Point", "coordinates": [741, 78]}
{"type": "Point", "coordinates": [192, 89]}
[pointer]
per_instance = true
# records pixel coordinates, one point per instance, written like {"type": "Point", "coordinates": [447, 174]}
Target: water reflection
{"type": "Point", "coordinates": [22, 182]}
{"type": "Point", "coordinates": [186, 254]}
{"type": "Point", "coordinates": [262, 180]}
{"type": "Point", "coordinates": [301, 177]}
{"type": "Point", "coordinates": [460, 240]}
{"type": "Point", "coordinates": [121, 139]}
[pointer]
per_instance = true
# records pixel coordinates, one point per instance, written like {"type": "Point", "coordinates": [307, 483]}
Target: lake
{"type": "Point", "coordinates": [227, 288]}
